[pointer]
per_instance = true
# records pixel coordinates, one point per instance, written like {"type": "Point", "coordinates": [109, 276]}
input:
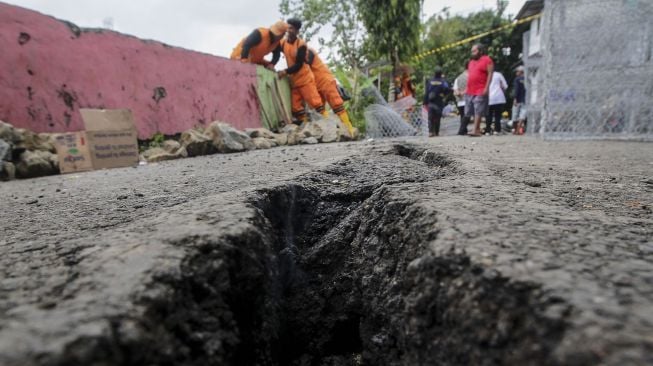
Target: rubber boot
{"type": "Point", "coordinates": [344, 117]}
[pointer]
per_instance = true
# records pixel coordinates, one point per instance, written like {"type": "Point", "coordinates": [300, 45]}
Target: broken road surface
{"type": "Point", "coordinates": [500, 250]}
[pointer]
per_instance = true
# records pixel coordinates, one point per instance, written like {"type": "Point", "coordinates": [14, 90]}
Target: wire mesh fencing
{"type": "Point", "coordinates": [597, 70]}
{"type": "Point", "coordinates": [403, 118]}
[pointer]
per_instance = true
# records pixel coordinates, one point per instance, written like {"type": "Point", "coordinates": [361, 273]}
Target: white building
{"type": "Point", "coordinates": [532, 58]}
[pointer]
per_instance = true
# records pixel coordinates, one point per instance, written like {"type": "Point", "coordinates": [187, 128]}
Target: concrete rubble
{"type": "Point", "coordinates": [197, 143]}
{"type": "Point", "coordinates": [24, 154]}
{"type": "Point", "coordinates": [36, 163]}
{"type": "Point", "coordinates": [29, 155]}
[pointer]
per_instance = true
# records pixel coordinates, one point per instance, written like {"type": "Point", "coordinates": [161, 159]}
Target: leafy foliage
{"type": "Point", "coordinates": [393, 26]}
{"type": "Point", "coordinates": [365, 31]}
{"type": "Point", "coordinates": [355, 81]}
{"type": "Point", "coordinates": [345, 46]}
{"type": "Point", "coordinates": [341, 18]}
{"type": "Point", "coordinates": [157, 140]}
{"type": "Point", "coordinates": [443, 29]}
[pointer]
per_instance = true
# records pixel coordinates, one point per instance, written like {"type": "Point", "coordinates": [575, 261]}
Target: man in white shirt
{"type": "Point", "coordinates": [497, 102]}
{"type": "Point", "coordinates": [459, 86]}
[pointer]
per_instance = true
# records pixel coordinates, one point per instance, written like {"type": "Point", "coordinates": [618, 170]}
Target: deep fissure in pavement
{"type": "Point", "coordinates": [326, 274]}
{"type": "Point", "coordinates": [423, 155]}
{"type": "Point", "coordinates": [312, 231]}
{"type": "Point", "coordinates": [357, 285]}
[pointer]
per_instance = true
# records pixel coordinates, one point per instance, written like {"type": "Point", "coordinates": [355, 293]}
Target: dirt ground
{"type": "Point", "coordinates": [497, 250]}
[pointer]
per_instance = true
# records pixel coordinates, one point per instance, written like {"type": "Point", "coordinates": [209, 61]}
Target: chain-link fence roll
{"type": "Point", "coordinates": [597, 70]}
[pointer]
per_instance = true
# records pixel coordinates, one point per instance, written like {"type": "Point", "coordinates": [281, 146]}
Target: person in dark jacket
{"type": "Point", "coordinates": [435, 93]}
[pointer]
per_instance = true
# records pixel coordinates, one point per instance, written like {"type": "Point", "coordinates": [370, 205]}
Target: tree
{"type": "Point", "coordinates": [393, 28]}
{"type": "Point", "coordinates": [443, 29]}
{"type": "Point", "coordinates": [344, 46]}
{"type": "Point", "coordinates": [502, 5]}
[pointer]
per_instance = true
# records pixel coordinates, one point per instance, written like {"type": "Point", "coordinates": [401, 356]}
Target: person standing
{"type": "Point", "coordinates": [459, 87]}
{"type": "Point", "coordinates": [259, 43]}
{"type": "Point", "coordinates": [302, 80]}
{"type": "Point", "coordinates": [435, 93]}
{"type": "Point", "coordinates": [519, 104]}
{"type": "Point", "coordinates": [407, 88]}
{"type": "Point", "coordinates": [403, 86]}
{"type": "Point", "coordinates": [497, 102]}
{"type": "Point", "coordinates": [479, 69]}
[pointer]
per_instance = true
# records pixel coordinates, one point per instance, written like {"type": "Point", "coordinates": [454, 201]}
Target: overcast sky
{"type": "Point", "coordinates": [209, 26]}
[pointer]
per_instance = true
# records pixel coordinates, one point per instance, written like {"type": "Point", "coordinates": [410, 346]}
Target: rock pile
{"type": "Point", "coordinates": [25, 154]}
{"type": "Point", "coordinates": [221, 138]}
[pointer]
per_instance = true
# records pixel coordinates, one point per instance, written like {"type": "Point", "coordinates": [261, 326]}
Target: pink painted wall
{"type": "Point", "coordinates": [49, 69]}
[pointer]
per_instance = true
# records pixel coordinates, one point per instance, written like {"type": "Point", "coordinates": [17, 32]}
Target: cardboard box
{"type": "Point", "coordinates": [110, 141]}
{"type": "Point", "coordinates": [112, 137]}
{"type": "Point", "coordinates": [73, 152]}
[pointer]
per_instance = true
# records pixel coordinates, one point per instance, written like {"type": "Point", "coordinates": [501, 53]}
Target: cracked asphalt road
{"type": "Point", "coordinates": [81, 252]}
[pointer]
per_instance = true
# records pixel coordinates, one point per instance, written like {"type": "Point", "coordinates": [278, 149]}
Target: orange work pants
{"type": "Point", "coordinates": [307, 93]}
{"type": "Point", "coordinates": [329, 93]}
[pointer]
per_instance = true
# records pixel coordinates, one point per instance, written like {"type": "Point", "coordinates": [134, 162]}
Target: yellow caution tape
{"type": "Point", "coordinates": [473, 38]}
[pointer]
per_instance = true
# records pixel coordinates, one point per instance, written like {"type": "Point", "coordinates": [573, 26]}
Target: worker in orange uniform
{"type": "Point", "coordinates": [302, 80]}
{"type": "Point", "coordinates": [328, 89]}
{"type": "Point", "coordinates": [404, 86]}
{"type": "Point", "coordinates": [259, 43]}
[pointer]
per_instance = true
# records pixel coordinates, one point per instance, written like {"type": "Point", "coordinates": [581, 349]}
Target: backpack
{"type": "Point", "coordinates": [343, 93]}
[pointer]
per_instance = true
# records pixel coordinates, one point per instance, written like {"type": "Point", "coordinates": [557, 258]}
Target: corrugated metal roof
{"type": "Point", "coordinates": [531, 7]}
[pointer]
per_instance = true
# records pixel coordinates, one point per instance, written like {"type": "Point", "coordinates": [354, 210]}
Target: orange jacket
{"type": "Point", "coordinates": [403, 87]}
{"type": "Point", "coordinates": [258, 52]}
{"type": "Point", "coordinates": [298, 70]}
{"type": "Point", "coordinates": [323, 76]}
{"type": "Point", "coordinates": [407, 87]}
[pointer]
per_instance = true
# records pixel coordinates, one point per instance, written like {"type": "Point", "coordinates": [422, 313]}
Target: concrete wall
{"type": "Point", "coordinates": [533, 65]}
{"type": "Point", "coordinates": [50, 68]}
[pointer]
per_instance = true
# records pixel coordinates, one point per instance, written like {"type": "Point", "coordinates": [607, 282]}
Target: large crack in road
{"type": "Point", "coordinates": [376, 260]}
{"type": "Point", "coordinates": [358, 282]}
